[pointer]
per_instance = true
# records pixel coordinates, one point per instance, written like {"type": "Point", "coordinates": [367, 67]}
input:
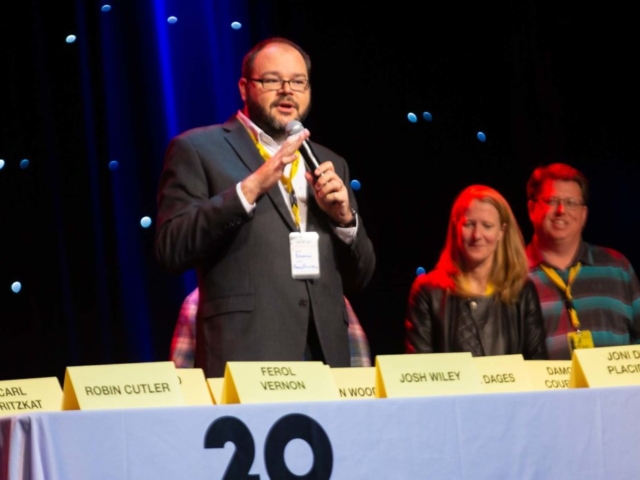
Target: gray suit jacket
{"type": "Point", "coordinates": [250, 307]}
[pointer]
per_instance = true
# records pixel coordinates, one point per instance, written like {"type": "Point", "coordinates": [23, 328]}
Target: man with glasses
{"type": "Point", "coordinates": [590, 295]}
{"type": "Point", "coordinates": [275, 245]}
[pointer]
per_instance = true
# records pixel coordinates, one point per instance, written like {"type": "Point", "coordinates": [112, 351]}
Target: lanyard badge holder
{"type": "Point", "coordinates": [579, 338]}
{"type": "Point", "coordinates": [305, 255]}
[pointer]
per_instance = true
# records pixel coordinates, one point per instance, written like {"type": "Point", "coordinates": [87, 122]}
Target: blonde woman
{"type": "Point", "coordinates": [478, 298]}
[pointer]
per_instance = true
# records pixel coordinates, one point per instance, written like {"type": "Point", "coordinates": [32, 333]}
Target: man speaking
{"type": "Point", "coordinates": [275, 246]}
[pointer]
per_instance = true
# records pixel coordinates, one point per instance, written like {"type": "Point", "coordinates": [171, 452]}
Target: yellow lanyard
{"type": "Point", "coordinates": [286, 181]}
{"type": "Point", "coordinates": [566, 289]}
{"type": "Point", "coordinates": [488, 291]}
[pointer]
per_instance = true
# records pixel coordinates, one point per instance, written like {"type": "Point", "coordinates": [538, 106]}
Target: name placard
{"type": "Point", "coordinates": [503, 373]}
{"type": "Point", "coordinates": [261, 382]}
{"type": "Point", "coordinates": [355, 382]}
{"type": "Point", "coordinates": [549, 374]}
{"type": "Point", "coordinates": [605, 367]}
{"type": "Point", "coordinates": [30, 395]}
{"type": "Point", "coordinates": [127, 385]}
{"type": "Point", "coordinates": [215, 388]}
{"type": "Point", "coordinates": [194, 386]}
{"type": "Point", "coordinates": [424, 374]}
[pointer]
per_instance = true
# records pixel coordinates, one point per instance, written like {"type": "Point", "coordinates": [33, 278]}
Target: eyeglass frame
{"type": "Point", "coordinates": [568, 203]}
{"type": "Point", "coordinates": [282, 82]}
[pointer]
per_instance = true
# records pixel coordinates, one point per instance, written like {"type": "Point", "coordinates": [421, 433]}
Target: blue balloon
{"type": "Point", "coordinates": [71, 38]}
{"type": "Point", "coordinates": [113, 165]}
{"type": "Point", "coordinates": [427, 116]}
{"type": "Point", "coordinates": [412, 117]}
{"type": "Point", "coordinates": [481, 136]}
{"type": "Point", "coordinates": [24, 163]}
{"type": "Point", "coordinates": [236, 25]}
{"type": "Point", "coordinates": [145, 222]}
{"type": "Point", "coordinates": [172, 19]}
{"type": "Point", "coordinates": [16, 287]}
{"type": "Point", "coordinates": [106, 8]}
{"type": "Point", "coordinates": [420, 271]}
{"type": "Point", "coordinates": [355, 184]}
{"type": "Point", "coordinates": [1, 164]}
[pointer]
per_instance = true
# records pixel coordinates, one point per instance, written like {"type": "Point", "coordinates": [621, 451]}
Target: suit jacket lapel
{"type": "Point", "coordinates": [242, 143]}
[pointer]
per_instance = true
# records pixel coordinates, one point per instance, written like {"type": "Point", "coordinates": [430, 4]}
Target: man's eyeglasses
{"type": "Point", "coordinates": [568, 203]}
{"type": "Point", "coordinates": [271, 84]}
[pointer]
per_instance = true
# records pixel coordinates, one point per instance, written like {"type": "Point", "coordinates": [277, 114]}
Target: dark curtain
{"type": "Point", "coordinates": [544, 81]}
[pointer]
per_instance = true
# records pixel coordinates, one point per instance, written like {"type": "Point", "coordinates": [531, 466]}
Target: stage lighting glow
{"type": "Point", "coordinates": [71, 38]}
{"type": "Point", "coordinates": [1, 164]}
{"type": "Point", "coordinates": [355, 184]}
{"type": "Point", "coordinates": [145, 222]}
{"type": "Point", "coordinates": [172, 19]}
{"type": "Point", "coordinates": [481, 136]}
{"type": "Point", "coordinates": [412, 117]}
{"type": "Point", "coordinates": [16, 287]}
{"type": "Point", "coordinates": [236, 25]}
{"type": "Point", "coordinates": [427, 116]}
{"type": "Point", "coordinates": [24, 163]}
{"type": "Point", "coordinates": [420, 271]}
{"type": "Point", "coordinates": [113, 165]}
{"type": "Point", "coordinates": [106, 8]}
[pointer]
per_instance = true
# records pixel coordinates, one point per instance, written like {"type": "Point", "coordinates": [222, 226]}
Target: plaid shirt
{"type": "Point", "coordinates": [183, 343]}
{"type": "Point", "coordinates": [606, 296]}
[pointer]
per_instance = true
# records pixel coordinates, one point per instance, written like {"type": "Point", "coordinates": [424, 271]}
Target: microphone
{"type": "Point", "coordinates": [293, 127]}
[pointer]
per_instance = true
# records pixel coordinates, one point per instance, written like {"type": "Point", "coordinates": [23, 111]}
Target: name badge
{"type": "Point", "coordinates": [305, 254]}
{"type": "Point", "coordinates": [579, 339]}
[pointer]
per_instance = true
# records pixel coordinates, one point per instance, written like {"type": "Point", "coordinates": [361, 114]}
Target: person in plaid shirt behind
{"type": "Point", "coordinates": [590, 295]}
{"type": "Point", "coordinates": [183, 343]}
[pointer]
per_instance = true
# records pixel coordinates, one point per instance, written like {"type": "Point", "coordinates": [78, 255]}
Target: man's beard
{"type": "Point", "coordinates": [267, 122]}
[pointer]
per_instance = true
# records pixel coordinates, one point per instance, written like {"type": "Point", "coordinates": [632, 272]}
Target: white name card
{"type": "Point", "coordinates": [503, 373]}
{"type": "Point", "coordinates": [355, 382]}
{"type": "Point", "coordinates": [259, 382]}
{"type": "Point", "coordinates": [605, 367]}
{"type": "Point", "coordinates": [549, 374]}
{"type": "Point", "coordinates": [194, 386]}
{"type": "Point", "coordinates": [30, 395]}
{"type": "Point", "coordinates": [129, 385]}
{"type": "Point", "coordinates": [423, 374]}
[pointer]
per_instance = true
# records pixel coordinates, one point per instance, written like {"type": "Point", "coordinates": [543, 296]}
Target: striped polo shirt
{"type": "Point", "coordinates": [606, 296]}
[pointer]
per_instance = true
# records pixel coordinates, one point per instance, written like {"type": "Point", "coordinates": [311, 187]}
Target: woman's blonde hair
{"type": "Point", "coordinates": [510, 267]}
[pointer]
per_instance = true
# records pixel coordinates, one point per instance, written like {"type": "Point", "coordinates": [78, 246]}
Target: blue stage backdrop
{"type": "Point", "coordinates": [420, 101]}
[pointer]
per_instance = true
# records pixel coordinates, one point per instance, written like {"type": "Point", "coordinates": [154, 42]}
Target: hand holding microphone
{"type": "Point", "coordinates": [329, 189]}
{"type": "Point", "coordinates": [292, 128]}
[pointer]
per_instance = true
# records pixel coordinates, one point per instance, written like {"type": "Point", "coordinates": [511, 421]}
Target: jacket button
{"type": "Point", "coordinates": [303, 302]}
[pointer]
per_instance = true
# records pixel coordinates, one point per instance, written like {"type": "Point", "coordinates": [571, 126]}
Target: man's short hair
{"type": "Point", "coordinates": [250, 58]}
{"type": "Point", "coordinates": [556, 171]}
